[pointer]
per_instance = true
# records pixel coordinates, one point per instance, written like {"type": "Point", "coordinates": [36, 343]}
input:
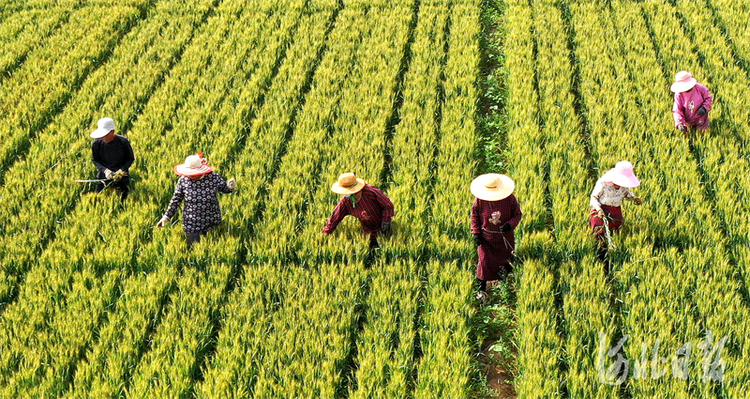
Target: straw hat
{"type": "Point", "coordinates": [492, 187]}
{"type": "Point", "coordinates": [348, 184]}
{"type": "Point", "coordinates": [195, 165]}
{"type": "Point", "coordinates": [105, 125]}
{"type": "Point", "coordinates": [622, 175]}
{"type": "Point", "coordinates": [683, 82]}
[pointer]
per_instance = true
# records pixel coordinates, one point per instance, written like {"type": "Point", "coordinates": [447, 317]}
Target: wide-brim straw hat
{"type": "Point", "coordinates": [105, 125]}
{"type": "Point", "coordinates": [492, 187]}
{"type": "Point", "coordinates": [348, 184]}
{"type": "Point", "coordinates": [195, 165]}
{"type": "Point", "coordinates": [622, 175]}
{"type": "Point", "coordinates": [683, 82]}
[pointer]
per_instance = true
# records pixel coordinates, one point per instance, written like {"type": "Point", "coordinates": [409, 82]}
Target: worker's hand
{"type": "Point", "coordinates": [478, 239]}
{"type": "Point", "coordinates": [701, 111]}
{"type": "Point", "coordinates": [162, 222]}
{"type": "Point", "coordinates": [108, 174]}
{"type": "Point", "coordinates": [325, 233]}
{"type": "Point", "coordinates": [681, 128]}
{"type": "Point", "coordinates": [600, 214]}
{"type": "Point", "coordinates": [117, 176]}
{"type": "Point", "coordinates": [231, 184]}
{"type": "Point", "coordinates": [637, 200]}
{"type": "Point", "coordinates": [385, 227]}
{"type": "Point", "coordinates": [506, 228]}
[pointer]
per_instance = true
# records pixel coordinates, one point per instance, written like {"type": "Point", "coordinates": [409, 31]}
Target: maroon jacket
{"type": "Point", "coordinates": [372, 208]}
{"type": "Point", "coordinates": [488, 217]}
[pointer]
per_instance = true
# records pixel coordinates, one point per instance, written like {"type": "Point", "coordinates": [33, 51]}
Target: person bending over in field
{"type": "Point", "coordinates": [692, 102]}
{"type": "Point", "coordinates": [606, 201]}
{"type": "Point", "coordinates": [494, 217]}
{"type": "Point", "coordinates": [112, 155]}
{"type": "Point", "coordinates": [198, 185]}
{"type": "Point", "coordinates": [363, 201]}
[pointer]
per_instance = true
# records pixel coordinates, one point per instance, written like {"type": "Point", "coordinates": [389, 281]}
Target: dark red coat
{"type": "Point", "coordinates": [498, 247]}
{"type": "Point", "coordinates": [371, 209]}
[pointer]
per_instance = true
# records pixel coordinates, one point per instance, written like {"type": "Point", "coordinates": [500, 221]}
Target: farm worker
{"type": "Point", "coordinates": [363, 201]}
{"type": "Point", "coordinates": [692, 102]}
{"type": "Point", "coordinates": [606, 198]}
{"type": "Point", "coordinates": [494, 217]}
{"type": "Point", "coordinates": [112, 155]}
{"type": "Point", "coordinates": [198, 186]}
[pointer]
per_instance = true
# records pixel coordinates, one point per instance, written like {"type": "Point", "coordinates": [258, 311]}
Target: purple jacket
{"type": "Point", "coordinates": [686, 105]}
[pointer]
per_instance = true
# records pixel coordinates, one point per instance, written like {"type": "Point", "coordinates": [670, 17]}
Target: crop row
{"type": "Point", "coordinates": [25, 30]}
{"type": "Point", "coordinates": [539, 345]}
{"type": "Point", "coordinates": [450, 282]}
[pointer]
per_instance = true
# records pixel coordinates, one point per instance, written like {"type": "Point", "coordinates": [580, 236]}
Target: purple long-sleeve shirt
{"type": "Point", "coordinates": [687, 103]}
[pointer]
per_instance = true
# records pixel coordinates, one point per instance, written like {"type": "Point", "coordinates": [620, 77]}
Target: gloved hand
{"type": "Point", "coordinates": [478, 239]}
{"type": "Point", "coordinates": [108, 174]}
{"type": "Point", "coordinates": [637, 200]}
{"type": "Point", "coordinates": [682, 128]}
{"type": "Point", "coordinates": [385, 227]}
{"type": "Point", "coordinates": [701, 111]}
{"type": "Point", "coordinates": [231, 184]}
{"type": "Point", "coordinates": [117, 176]}
{"type": "Point", "coordinates": [162, 222]}
{"type": "Point", "coordinates": [506, 228]}
{"type": "Point", "coordinates": [600, 214]}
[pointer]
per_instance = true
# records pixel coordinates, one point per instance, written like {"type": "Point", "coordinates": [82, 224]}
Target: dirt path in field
{"type": "Point", "coordinates": [499, 379]}
{"type": "Point", "coordinates": [498, 366]}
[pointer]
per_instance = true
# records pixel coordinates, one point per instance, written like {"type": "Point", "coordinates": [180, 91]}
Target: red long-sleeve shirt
{"type": "Point", "coordinates": [371, 209]}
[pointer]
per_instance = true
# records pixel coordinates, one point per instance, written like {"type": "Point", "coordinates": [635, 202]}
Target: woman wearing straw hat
{"type": "Point", "coordinates": [494, 216]}
{"type": "Point", "coordinates": [606, 200]}
{"type": "Point", "coordinates": [112, 155]}
{"type": "Point", "coordinates": [363, 201]}
{"type": "Point", "coordinates": [692, 102]}
{"type": "Point", "coordinates": [198, 185]}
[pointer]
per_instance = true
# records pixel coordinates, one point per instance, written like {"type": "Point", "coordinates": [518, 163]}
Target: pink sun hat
{"type": "Point", "coordinates": [195, 165]}
{"type": "Point", "coordinates": [683, 82]}
{"type": "Point", "coordinates": [622, 175]}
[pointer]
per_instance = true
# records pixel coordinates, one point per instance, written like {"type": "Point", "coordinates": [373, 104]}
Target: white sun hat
{"type": "Point", "coordinates": [105, 125]}
{"type": "Point", "coordinates": [492, 187]}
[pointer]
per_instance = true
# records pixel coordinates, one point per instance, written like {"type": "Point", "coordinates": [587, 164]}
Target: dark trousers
{"type": "Point", "coordinates": [192, 238]}
{"type": "Point", "coordinates": [123, 185]}
{"type": "Point", "coordinates": [374, 241]}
